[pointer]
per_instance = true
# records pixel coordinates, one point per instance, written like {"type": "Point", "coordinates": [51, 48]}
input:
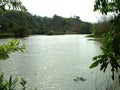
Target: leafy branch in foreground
{"type": "Point", "coordinates": [11, 46]}
{"type": "Point", "coordinates": [111, 49]}
{"type": "Point", "coordinates": [11, 84]}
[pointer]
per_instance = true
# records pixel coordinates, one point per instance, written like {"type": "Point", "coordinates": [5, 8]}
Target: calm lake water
{"type": "Point", "coordinates": [53, 62]}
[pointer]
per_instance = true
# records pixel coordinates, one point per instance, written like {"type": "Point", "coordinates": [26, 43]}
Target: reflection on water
{"type": "Point", "coordinates": [53, 62]}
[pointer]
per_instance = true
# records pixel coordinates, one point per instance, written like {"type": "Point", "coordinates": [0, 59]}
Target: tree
{"type": "Point", "coordinates": [6, 49]}
{"type": "Point", "coordinates": [102, 27]}
{"type": "Point", "coordinates": [13, 45]}
{"type": "Point", "coordinates": [11, 4]}
{"type": "Point", "coordinates": [111, 50]}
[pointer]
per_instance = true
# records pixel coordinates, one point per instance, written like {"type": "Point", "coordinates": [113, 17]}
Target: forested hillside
{"type": "Point", "coordinates": [18, 23]}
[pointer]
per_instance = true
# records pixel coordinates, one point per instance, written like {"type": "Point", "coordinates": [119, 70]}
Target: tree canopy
{"type": "Point", "coordinates": [11, 5]}
{"type": "Point", "coordinates": [106, 6]}
{"type": "Point", "coordinates": [23, 23]}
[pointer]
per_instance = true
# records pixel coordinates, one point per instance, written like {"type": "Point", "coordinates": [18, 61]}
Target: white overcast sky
{"type": "Point", "coordinates": [64, 8]}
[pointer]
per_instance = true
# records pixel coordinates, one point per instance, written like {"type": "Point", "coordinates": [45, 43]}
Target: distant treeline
{"type": "Point", "coordinates": [20, 23]}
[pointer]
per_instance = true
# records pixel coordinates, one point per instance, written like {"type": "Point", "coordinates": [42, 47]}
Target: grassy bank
{"type": "Point", "coordinates": [100, 39]}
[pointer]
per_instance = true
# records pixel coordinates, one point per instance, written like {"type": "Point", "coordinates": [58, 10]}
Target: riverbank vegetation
{"type": "Point", "coordinates": [111, 49]}
{"type": "Point", "coordinates": [19, 23]}
{"type": "Point", "coordinates": [102, 26]}
{"type": "Point", "coordinates": [99, 29]}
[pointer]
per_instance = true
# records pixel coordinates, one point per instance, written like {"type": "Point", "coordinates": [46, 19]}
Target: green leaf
{"type": "Point", "coordinates": [11, 83]}
{"type": "Point", "coordinates": [104, 66]}
{"type": "Point", "coordinates": [12, 46]}
{"type": "Point", "coordinates": [94, 64]}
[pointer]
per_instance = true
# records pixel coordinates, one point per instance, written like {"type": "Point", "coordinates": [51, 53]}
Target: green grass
{"type": "Point", "coordinates": [95, 36]}
{"type": "Point", "coordinates": [100, 39]}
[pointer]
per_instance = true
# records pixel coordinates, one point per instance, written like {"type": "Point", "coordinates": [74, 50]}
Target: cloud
{"type": "Point", "coordinates": [65, 8]}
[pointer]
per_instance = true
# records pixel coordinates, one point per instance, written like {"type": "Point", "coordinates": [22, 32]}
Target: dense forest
{"type": "Point", "coordinates": [19, 23]}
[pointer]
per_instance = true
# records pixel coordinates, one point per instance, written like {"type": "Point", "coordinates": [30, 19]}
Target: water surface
{"type": "Point", "coordinates": [53, 62]}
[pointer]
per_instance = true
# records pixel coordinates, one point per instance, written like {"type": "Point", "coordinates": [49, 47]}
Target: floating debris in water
{"type": "Point", "coordinates": [80, 79]}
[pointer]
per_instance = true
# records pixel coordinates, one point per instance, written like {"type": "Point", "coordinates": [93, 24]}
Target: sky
{"type": "Point", "coordinates": [64, 8]}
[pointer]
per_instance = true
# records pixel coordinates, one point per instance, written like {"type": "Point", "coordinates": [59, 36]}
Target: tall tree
{"type": "Point", "coordinates": [111, 50]}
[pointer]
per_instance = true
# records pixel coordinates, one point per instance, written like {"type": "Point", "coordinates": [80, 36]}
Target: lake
{"type": "Point", "coordinates": [54, 63]}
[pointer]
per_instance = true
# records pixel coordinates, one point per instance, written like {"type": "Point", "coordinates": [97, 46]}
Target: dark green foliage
{"type": "Point", "coordinates": [106, 6]}
{"type": "Point", "coordinates": [111, 49]}
{"type": "Point", "coordinates": [23, 23]}
{"type": "Point", "coordinates": [19, 27]}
